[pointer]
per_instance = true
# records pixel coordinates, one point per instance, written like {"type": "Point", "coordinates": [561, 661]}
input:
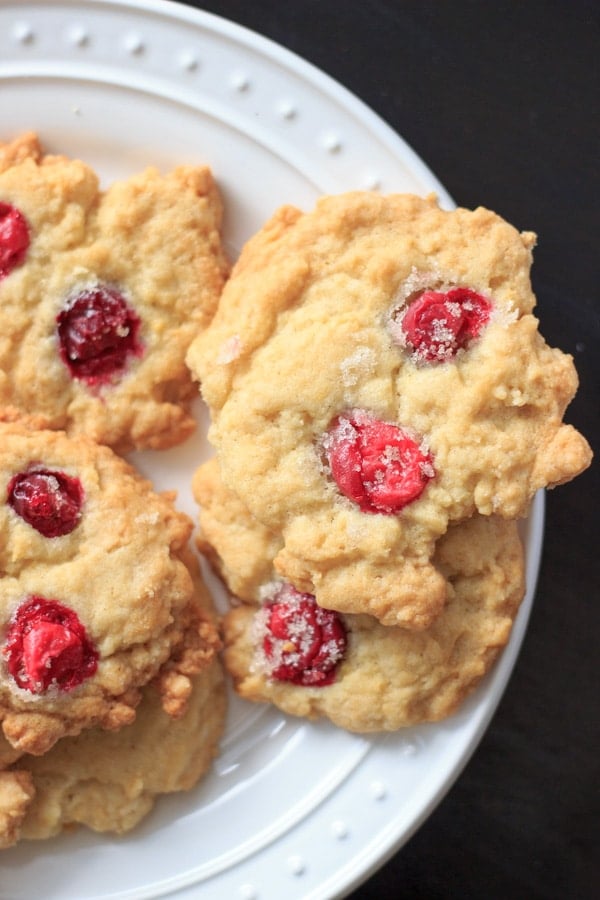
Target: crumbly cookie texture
{"type": "Point", "coordinates": [389, 677]}
{"type": "Point", "coordinates": [97, 596]}
{"type": "Point", "coordinates": [109, 781]}
{"type": "Point", "coordinates": [25, 146]}
{"type": "Point", "coordinates": [238, 547]}
{"type": "Point", "coordinates": [103, 292]}
{"type": "Point", "coordinates": [370, 334]}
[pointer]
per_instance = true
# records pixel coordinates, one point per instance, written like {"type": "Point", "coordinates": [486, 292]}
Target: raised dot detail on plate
{"type": "Point", "coordinates": [248, 892]}
{"type": "Point", "coordinates": [339, 830]}
{"type": "Point", "coordinates": [332, 142]}
{"type": "Point", "coordinates": [134, 44]}
{"type": "Point", "coordinates": [297, 865]}
{"type": "Point", "coordinates": [78, 36]}
{"type": "Point", "coordinates": [22, 32]}
{"type": "Point", "coordinates": [240, 82]}
{"type": "Point", "coordinates": [188, 61]}
{"type": "Point", "coordinates": [372, 183]}
{"type": "Point", "coordinates": [287, 110]}
{"type": "Point", "coordinates": [378, 790]}
{"type": "Point", "coordinates": [408, 748]}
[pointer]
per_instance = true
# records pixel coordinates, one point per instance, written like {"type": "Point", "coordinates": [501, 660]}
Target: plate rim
{"type": "Point", "coordinates": [307, 70]}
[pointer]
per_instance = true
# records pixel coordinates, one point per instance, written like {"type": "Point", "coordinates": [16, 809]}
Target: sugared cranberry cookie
{"type": "Point", "coordinates": [97, 595]}
{"type": "Point", "coordinates": [361, 675]}
{"type": "Point", "coordinates": [375, 374]}
{"type": "Point", "coordinates": [110, 780]}
{"type": "Point", "coordinates": [101, 293]}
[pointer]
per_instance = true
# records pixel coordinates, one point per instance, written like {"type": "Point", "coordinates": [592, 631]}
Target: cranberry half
{"type": "Point", "coordinates": [48, 500]}
{"type": "Point", "coordinates": [47, 646]}
{"type": "Point", "coordinates": [438, 324]}
{"type": "Point", "coordinates": [14, 238]}
{"type": "Point", "coordinates": [377, 465]}
{"type": "Point", "coordinates": [98, 333]}
{"type": "Point", "coordinates": [303, 643]}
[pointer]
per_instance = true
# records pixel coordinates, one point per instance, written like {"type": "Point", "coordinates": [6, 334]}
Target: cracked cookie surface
{"type": "Point", "coordinates": [88, 616]}
{"type": "Point", "coordinates": [101, 301]}
{"type": "Point", "coordinates": [109, 781]}
{"type": "Point", "coordinates": [392, 311]}
{"type": "Point", "coordinates": [388, 677]}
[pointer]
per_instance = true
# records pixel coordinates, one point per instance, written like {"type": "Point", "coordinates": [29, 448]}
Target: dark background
{"type": "Point", "coordinates": [500, 99]}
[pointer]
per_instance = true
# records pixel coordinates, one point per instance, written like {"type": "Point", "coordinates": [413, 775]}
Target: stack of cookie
{"type": "Point", "coordinates": [111, 689]}
{"type": "Point", "coordinates": [383, 410]}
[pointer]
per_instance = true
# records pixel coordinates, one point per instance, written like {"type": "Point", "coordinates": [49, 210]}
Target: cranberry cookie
{"type": "Point", "coordinates": [109, 781]}
{"type": "Point", "coordinates": [96, 597]}
{"type": "Point", "coordinates": [375, 374]}
{"type": "Point", "coordinates": [101, 293]}
{"type": "Point", "coordinates": [282, 648]}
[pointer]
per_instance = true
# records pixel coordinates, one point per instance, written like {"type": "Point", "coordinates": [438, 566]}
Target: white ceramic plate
{"type": "Point", "coordinates": [291, 809]}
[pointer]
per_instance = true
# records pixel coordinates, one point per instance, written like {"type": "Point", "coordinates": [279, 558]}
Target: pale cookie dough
{"type": "Point", "coordinates": [309, 328]}
{"type": "Point", "coordinates": [97, 595]}
{"type": "Point", "coordinates": [109, 781]}
{"type": "Point", "coordinates": [153, 241]}
{"type": "Point", "coordinates": [26, 146]}
{"type": "Point", "coordinates": [16, 794]}
{"type": "Point", "coordinates": [389, 677]}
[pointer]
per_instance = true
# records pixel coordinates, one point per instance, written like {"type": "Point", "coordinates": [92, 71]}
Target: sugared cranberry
{"type": "Point", "coordinates": [377, 465]}
{"type": "Point", "coordinates": [47, 646]}
{"type": "Point", "coordinates": [14, 238]}
{"type": "Point", "coordinates": [48, 501]}
{"type": "Point", "coordinates": [438, 324]}
{"type": "Point", "coordinates": [98, 332]}
{"type": "Point", "coordinates": [302, 642]}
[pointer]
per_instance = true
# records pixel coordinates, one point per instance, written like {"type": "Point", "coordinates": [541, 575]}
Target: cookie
{"type": "Point", "coordinates": [375, 374]}
{"type": "Point", "coordinates": [237, 546]}
{"type": "Point", "coordinates": [282, 648]}
{"type": "Point", "coordinates": [101, 293]}
{"type": "Point", "coordinates": [97, 595]}
{"type": "Point", "coordinates": [109, 781]}
{"type": "Point", "coordinates": [25, 146]}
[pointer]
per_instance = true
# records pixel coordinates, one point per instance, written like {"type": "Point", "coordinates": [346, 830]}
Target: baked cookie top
{"type": "Point", "coordinates": [96, 597]}
{"type": "Point", "coordinates": [361, 675]}
{"type": "Point", "coordinates": [109, 781]}
{"type": "Point", "coordinates": [101, 293]}
{"type": "Point", "coordinates": [374, 374]}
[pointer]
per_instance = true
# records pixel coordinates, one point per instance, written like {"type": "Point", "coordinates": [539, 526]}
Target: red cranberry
{"type": "Point", "coordinates": [48, 501]}
{"type": "Point", "coordinates": [98, 332]}
{"type": "Point", "coordinates": [377, 465]}
{"type": "Point", "coordinates": [14, 238]}
{"type": "Point", "coordinates": [437, 325]}
{"type": "Point", "coordinates": [303, 643]}
{"type": "Point", "coordinates": [47, 646]}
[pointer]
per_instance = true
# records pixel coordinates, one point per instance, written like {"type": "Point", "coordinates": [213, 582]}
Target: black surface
{"type": "Point", "coordinates": [501, 101]}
